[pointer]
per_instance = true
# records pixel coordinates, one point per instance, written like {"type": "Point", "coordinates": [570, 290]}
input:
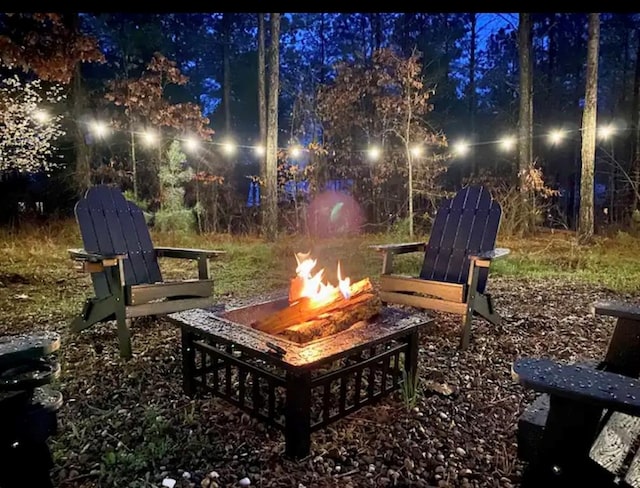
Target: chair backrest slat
{"type": "Point", "coordinates": [90, 241]}
{"type": "Point", "coordinates": [464, 225]}
{"type": "Point", "coordinates": [467, 227]}
{"type": "Point", "coordinates": [101, 201]}
{"type": "Point", "coordinates": [109, 224]}
{"type": "Point", "coordinates": [435, 241]}
{"type": "Point", "coordinates": [146, 245]}
{"type": "Point", "coordinates": [441, 263]}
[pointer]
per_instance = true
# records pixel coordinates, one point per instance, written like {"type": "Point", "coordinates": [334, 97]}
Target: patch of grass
{"type": "Point", "coordinates": [155, 447]}
{"type": "Point", "coordinates": [38, 283]}
{"type": "Point", "coordinates": [610, 261]}
{"type": "Point", "coordinates": [410, 388]}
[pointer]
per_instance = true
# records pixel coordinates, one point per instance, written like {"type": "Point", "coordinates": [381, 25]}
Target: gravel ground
{"type": "Point", "coordinates": [129, 423]}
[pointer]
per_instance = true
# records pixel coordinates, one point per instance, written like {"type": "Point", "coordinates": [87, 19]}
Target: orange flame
{"type": "Point", "coordinates": [312, 286]}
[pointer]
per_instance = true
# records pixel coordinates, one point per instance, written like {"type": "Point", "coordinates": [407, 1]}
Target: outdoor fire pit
{"type": "Point", "coordinates": [297, 386]}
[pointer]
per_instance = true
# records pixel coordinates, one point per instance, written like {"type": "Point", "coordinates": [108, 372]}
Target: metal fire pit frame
{"type": "Point", "coordinates": [293, 386]}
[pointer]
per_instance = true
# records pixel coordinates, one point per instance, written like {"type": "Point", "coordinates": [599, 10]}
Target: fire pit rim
{"type": "Point", "coordinates": [213, 323]}
{"type": "Point", "coordinates": [290, 343]}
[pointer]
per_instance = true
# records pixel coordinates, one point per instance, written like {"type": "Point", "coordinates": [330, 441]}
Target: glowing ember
{"type": "Point", "coordinates": [312, 286]}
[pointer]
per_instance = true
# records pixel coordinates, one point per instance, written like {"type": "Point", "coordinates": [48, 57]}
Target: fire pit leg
{"type": "Point", "coordinates": [411, 359]}
{"type": "Point", "coordinates": [297, 430]}
{"type": "Point", "coordinates": [188, 362]}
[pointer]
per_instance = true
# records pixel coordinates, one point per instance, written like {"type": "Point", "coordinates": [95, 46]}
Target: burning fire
{"type": "Point", "coordinates": [309, 285]}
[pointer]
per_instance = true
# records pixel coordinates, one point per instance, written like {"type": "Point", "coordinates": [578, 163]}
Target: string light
{"type": "Point", "coordinates": [99, 128]}
{"type": "Point", "coordinates": [374, 153]}
{"type": "Point", "coordinates": [508, 143]}
{"type": "Point", "coordinates": [42, 116]}
{"type": "Point", "coordinates": [556, 136]}
{"type": "Point", "coordinates": [461, 148]}
{"type": "Point", "coordinates": [149, 138]}
{"type": "Point", "coordinates": [605, 132]}
{"type": "Point", "coordinates": [229, 147]}
{"type": "Point", "coordinates": [192, 144]}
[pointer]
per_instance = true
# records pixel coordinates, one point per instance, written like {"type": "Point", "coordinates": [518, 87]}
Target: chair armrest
{"type": "Point", "coordinates": [402, 248]}
{"type": "Point", "coordinates": [620, 310]}
{"type": "Point", "coordinates": [579, 383]}
{"type": "Point", "coordinates": [93, 257]}
{"type": "Point", "coordinates": [496, 253]}
{"type": "Point", "coordinates": [183, 253]}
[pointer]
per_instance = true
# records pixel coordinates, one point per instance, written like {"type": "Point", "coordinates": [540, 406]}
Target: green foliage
{"type": "Point", "coordinates": [173, 175]}
{"type": "Point", "coordinates": [158, 444]}
{"type": "Point", "coordinates": [410, 388]}
{"type": "Point", "coordinates": [140, 202]}
{"type": "Point", "coordinates": [399, 230]}
{"type": "Point", "coordinates": [607, 262]}
{"type": "Point", "coordinates": [173, 215]}
{"type": "Point", "coordinates": [182, 220]}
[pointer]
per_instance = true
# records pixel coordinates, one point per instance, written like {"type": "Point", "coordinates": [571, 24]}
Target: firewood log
{"type": "Point", "coordinates": [306, 309]}
{"type": "Point", "coordinates": [364, 307]}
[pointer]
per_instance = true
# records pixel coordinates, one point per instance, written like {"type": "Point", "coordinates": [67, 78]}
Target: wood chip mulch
{"type": "Point", "coordinates": [129, 423]}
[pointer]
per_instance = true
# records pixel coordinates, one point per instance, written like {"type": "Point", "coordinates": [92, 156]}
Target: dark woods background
{"type": "Point", "coordinates": [344, 81]}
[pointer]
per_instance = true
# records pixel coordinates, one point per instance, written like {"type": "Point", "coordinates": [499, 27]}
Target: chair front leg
{"type": "Point", "coordinates": [117, 286]}
{"type": "Point", "coordinates": [387, 262]}
{"type": "Point", "coordinates": [472, 286]}
{"type": "Point", "coordinates": [204, 271]}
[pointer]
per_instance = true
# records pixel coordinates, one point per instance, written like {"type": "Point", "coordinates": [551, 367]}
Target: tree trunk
{"type": "Point", "coordinates": [525, 119]}
{"type": "Point", "coordinates": [375, 23]}
{"type": "Point", "coordinates": [226, 48]}
{"type": "Point", "coordinates": [323, 68]}
{"type": "Point", "coordinates": [472, 88]}
{"type": "Point", "coordinates": [552, 51]}
{"type": "Point", "coordinates": [83, 152]}
{"type": "Point", "coordinates": [270, 209]}
{"type": "Point", "coordinates": [407, 135]}
{"type": "Point", "coordinates": [262, 94]}
{"type": "Point", "coordinates": [635, 124]}
{"type": "Point", "coordinates": [82, 176]}
{"type": "Point", "coordinates": [585, 224]}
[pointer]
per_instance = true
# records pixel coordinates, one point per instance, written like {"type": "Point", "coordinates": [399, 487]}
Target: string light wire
{"type": "Point", "coordinates": [373, 152]}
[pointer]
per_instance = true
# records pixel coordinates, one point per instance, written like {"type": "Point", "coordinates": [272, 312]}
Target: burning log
{"type": "Point", "coordinates": [307, 319]}
{"type": "Point", "coordinates": [366, 306]}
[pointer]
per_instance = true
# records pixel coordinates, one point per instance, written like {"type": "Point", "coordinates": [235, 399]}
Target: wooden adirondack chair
{"type": "Point", "coordinates": [456, 261]}
{"type": "Point", "coordinates": [123, 262]}
{"type": "Point", "coordinates": [583, 428]}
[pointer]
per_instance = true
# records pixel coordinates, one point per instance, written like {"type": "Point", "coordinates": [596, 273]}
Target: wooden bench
{"type": "Point", "coordinates": [27, 408]}
{"type": "Point", "coordinates": [584, 428]}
